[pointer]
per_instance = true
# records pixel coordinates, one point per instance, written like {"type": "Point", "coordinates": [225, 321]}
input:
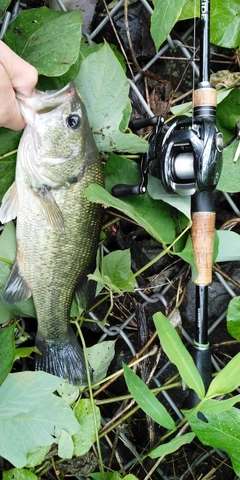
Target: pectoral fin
{"type": "Point", "coordinates": [50, 209]}
{"type": "Point", "coordinates": [9, 207]}
{"type": "Point", "coordinates": [16, 289]}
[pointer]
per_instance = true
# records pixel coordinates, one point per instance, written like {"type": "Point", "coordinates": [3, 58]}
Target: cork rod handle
{"type": "Point", "coordinates": [203, 225]}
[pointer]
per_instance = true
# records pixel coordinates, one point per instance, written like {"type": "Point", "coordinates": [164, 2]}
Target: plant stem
{"type": "Point", "coordinates": [92, 400]}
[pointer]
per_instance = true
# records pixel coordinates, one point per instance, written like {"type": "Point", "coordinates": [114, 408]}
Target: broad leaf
{"type": "Point", "coordinates": [224, 29]}
{"type": "Point", "coordinates": [220, 431]}
{"type": "Point", "coordinates": [190, 9]}
{"type": "Point", "coordinates": [86, 435]}
{"type": "Point", "coordinates": [48, 39]}
{"type": "Point", "coordinates": [164, 17]}
{"type": "Point", "coordinates": [218, 406]}
{"type": "Point", "coordinates": [100, 357]}
{"type": "Point", "coordinates": [36, 456]}
{"type": "Point", "coordinates": [227, 379]}
{"type": "Point", "coordinates": [157, 191]}
{"type": "Point", "coordinates": [8, 252]}
{"type": "Point", "coordinates": [28, 405]}
{"type": "Point", "coordinates": [153, 216]}
{"type": "Point", "coordinates": [7, 351]}
{"type": "Point", "coordinates": [19, 474]}
{"type": "Point", "coordinates": [104, 90]}
{"type": "Point", "coordinates": [225, 23]}
{"type": "Point", "coordinates": [4, 6]}
{"type": "Point", "coordinates": [117, 267]}
{"type": "Point", "coordinates": [111, 476]}
{"type": "Point", "coordinates": [178, 354]}
{"type": "Point", "coordinates": [230, 176]}
{"type": "Point", "coordinates": [226, 238]}
{"type": "Point", "coordinates": [9, 140]}
{"type": "Point", "coordinates": [65, 445]}
{"type": "Point", "coordinates": [147, 400]}
{"type": "Point", "coordinates": [233, 318]}
{"type": "Point", "coordinates": [172, 446]}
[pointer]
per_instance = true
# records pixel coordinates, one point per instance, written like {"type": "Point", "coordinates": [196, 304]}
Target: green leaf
{"type": "Point", "coordinates": [8, 251]}
{"type": "Point", "coordinates": [19, 474]}
{"type": "Point", "coordinates": [187, 255]}
{"type": "Point", "coordinates": [172, 446]}
{"type": "Point", "coordinates": [220, 431]}
{"type": "Point", "coordinates": [68, 392]}
{"type": "Point", "coordinates": [28, 405]}
{"type": "Point", "coordinates": [86, 435]}
{"type": "Point", "coordinates": [229, 179]}
{"type": "Point", "coordinates": [190, 9]}
{"type": "Point", "coordinates": [4, 6]}
{"type": "Point", "coordinates": [228, 111]}
{"type": "Point", "coordinates": [106, 476]}
{"type": "Point", "coordinates": [105, 96]}
{"type": "Point", "coordinates": [224, 29]}
{"type": "Point", "coordinates": [157, 191]}
{"type": "Point", "coordinates": [9, 140]}
{"type": "Point", "coordinates": [7, 351]}
{"type": "Point", "coordinates": [48, 39]}
{"type": "Point", "coordinates": [21, 352]}
{"type": "Point", "coordinates": [218, 406]}
{"type": "Point", "coordinates": [147, 400]}
{"type": "Point", "coordinates": [65, 445]}
{"type": "Point", "coordinates": [111, 476]}
{"type": "Point", "coordinates": [178, 354]}
{"type": "Point", "coordinates": [154, 217]}
{"type": "Point", "coordinates": [164, 17]}
{"type": "Point", "coordinates": [226, 380]}
{"type": "Point", "coordinates": [100, 357]}
{"type": "Point", "coordinates": [233, 317]}
{"type": "Point", "coordinates": [117, 266]}
{"type": "Point", "coordinates": [226, 238]}
{"type": "Point", "coordinates": [225, 18]}
{"type": "Point", "coordinates": [36, 456]}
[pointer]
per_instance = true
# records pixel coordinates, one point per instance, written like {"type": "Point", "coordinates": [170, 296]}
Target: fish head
{"type": "Point", "coordinates": [58, 135]}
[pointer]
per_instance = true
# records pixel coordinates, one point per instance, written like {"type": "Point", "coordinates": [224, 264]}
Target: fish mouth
{"type": "Point", "coordinates": [43, 102]}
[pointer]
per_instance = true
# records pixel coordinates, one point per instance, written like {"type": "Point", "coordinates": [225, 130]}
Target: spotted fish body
{"type": "Point", "coordinates": [57, 227]}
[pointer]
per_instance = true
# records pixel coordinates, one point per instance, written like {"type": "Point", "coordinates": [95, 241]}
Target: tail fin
{"type": "Point", "coordinates": [63, 358]}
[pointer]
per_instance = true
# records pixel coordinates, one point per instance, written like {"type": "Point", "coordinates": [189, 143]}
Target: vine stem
{"type": "Point", "coordinates": [8, 154]}
{"type": "Point", "coordinates": [92, 400]}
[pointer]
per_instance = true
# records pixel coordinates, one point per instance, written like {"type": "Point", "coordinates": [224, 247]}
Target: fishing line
{"type": "Point", "coordinates": [194, 52]}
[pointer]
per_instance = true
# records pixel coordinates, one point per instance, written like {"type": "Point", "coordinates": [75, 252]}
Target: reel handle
{"type": "Point", "coordinates": [122, 190]}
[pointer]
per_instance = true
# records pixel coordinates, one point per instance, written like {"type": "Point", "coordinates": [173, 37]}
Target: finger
{"type": "Point", "coordinates": [10, 116]}
{"type": "Point", "coordinates": [22, 75]}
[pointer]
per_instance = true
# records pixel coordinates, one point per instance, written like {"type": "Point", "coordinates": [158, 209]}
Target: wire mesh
{"type": "Point", "coordinates": [161, 297]}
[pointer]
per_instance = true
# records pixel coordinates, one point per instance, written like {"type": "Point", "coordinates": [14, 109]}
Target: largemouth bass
{"type": "Point", "coordinates": [57, 227]}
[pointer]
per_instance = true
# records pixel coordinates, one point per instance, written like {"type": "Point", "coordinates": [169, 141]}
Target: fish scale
{"type": "Point", "coordinates": [57, 227]}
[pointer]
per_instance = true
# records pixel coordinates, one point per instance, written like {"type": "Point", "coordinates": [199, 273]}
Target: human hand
{"type": "Point", "coordinates": [16, 75]}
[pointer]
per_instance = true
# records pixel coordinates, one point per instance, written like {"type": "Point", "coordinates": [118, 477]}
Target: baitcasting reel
{"type": "Point", "coordinates": [186, 157]}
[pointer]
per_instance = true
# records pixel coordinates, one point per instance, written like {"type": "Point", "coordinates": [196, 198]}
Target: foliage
{"type": "Point", "coordinates": [224, 26]}
{"type": "Point", "coordinates": [221, 418]}
{"type": "Point", "coordinates": [52, 42]}
{"type": "Point", "coordinates": [233, 317]}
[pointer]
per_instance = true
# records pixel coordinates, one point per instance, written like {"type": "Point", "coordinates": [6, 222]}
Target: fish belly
{"type": "Point", "coordinates": [52, 263]}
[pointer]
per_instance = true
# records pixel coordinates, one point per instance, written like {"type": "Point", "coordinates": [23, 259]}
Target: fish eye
{"type": "Point", "coordinates": [74, 121]}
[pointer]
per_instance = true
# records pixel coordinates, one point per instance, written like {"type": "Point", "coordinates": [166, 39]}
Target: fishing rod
{"type": "Point", "coordinates": [187, 158]}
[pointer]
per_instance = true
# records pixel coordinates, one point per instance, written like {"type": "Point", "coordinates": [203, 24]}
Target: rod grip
{"type": "Point", "coordinates": [202, 232]}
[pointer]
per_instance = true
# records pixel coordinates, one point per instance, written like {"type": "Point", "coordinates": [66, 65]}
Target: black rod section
{"type": "Point", "coordinates": [201, 335]}
{"type": "Point", "coordinates": [205, 41]}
